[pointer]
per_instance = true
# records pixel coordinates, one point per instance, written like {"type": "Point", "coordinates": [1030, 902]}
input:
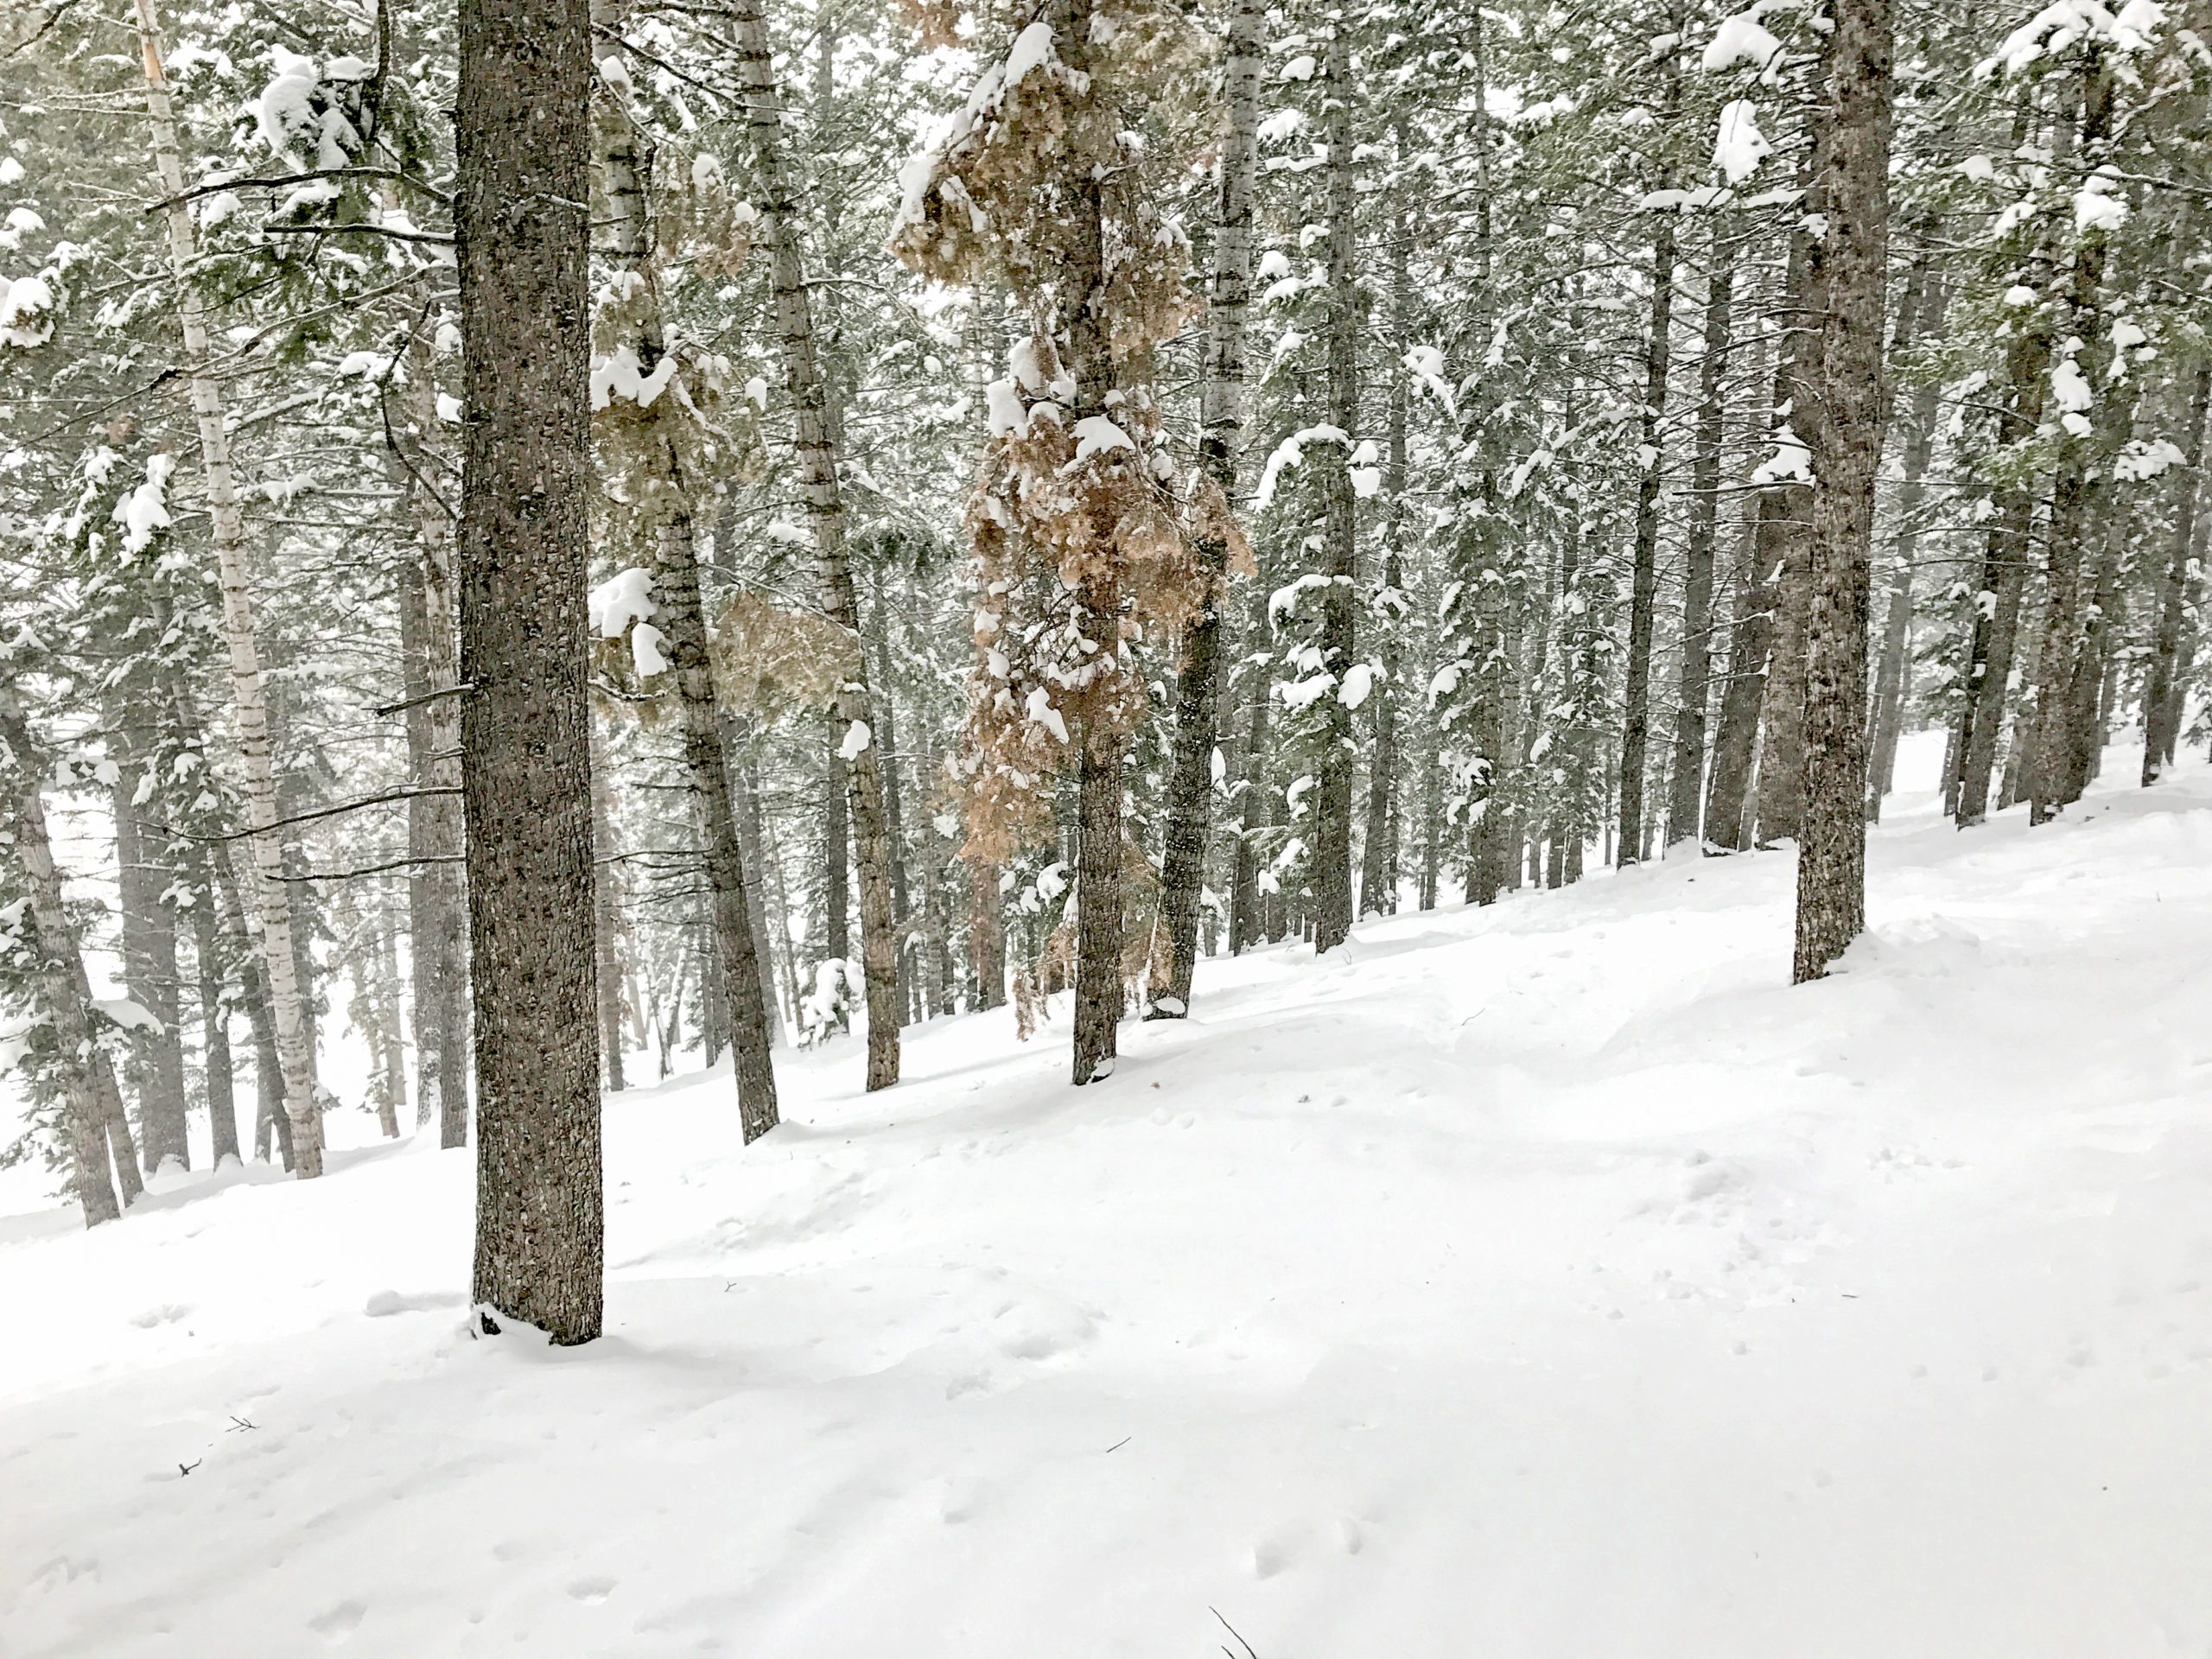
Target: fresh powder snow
{"type": "Point", "coordinates": [1551, 1279]}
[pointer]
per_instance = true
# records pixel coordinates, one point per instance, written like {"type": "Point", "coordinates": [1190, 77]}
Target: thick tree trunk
{"type": "Point", "coordinates": [248, 707]}
{"type": "Point", "coordinates": [1636, 726]}
{"type": "Point", "coordinates": [2058, 767]}
{"type": "Point", "coordinates": [1098, 604]}
{"type": "Point", "coordinates": [1221, 435]}
{"type": "Point", "coordinates": [64, 989]}
{"type": "Point", "coordinates": [1850, 155]}
{"type": "Point", "coordinates": [520, 222]}
{"type": "Point", "coordinates": [2163, 693]}
{"type": "Point", "coordinates": [1331, 851]}
{"type": "Point", "coordinates": [1693, 689]}
{"type": "Point", "coordinates": [818, 462]}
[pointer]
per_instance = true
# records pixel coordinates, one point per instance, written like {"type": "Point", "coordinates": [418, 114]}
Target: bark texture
{"type": "Point", "coordinates": [2058, 762]}
{"type": "Point", "coordinates": [520, 227]}
{"type": "Point", "coordinates": [1850, 155]}
{"type": "Point", "coordinates": [1221, 422]}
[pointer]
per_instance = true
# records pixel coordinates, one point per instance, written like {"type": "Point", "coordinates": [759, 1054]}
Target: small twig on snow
{"type": "Point", "coordinates": [1234, 1631]}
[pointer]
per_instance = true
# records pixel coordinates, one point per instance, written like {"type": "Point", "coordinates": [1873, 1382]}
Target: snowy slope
{"type": "Point", "coordinates": [1552, 1280]}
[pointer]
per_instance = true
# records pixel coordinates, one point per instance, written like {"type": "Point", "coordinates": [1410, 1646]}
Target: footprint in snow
{"type": "Point", "coordinates": [166, 1313]}
{"type": "Point", "coordinates": [592, 1591]}
{"type": "Point", "coordinates": [960, 1500]}
{"type": "Point", "coordinates": [336, 1623]}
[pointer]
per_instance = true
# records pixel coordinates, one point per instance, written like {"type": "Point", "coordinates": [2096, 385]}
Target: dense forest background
{"type": "Point", "coordinates": [1270, 468]}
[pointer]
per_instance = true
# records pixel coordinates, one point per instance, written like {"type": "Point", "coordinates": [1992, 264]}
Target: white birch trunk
{"type": "Point", "coordinates": [249, 708]}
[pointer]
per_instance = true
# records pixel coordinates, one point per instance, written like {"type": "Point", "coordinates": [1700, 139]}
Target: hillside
{"type": "Point", "coordinates": [1546, 1280]}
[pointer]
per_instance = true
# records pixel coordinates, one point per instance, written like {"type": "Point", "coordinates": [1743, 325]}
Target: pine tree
{"type": "Point", "coordinates": [519, 220]}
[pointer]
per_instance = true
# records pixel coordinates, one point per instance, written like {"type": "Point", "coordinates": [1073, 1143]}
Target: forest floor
{"type": "Point", "coordinates": [1552, 1281]}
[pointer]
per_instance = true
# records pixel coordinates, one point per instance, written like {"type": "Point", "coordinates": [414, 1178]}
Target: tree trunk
{"type": "Point", "coordinates": [1694, 688]}
{"type": "Point", "coordinates": [2019, 727]}
{"type": "Point", "coordinates": [2058, 767]}
{"type": "Point", "coordinates": [150, 978]}
{"type": "Point", "coordinates": [1098, 604]}
{"type": "Point", "coordinates": [437, 900]}
{"type": "Point", "coordinates": [1920, 321]}
{"type": "Point", "coordinates": [2102, 617]}
{"type": "Point", "coordinates": [64, 989]}
{"type": "Point", "coordinates": [2004, 578]}
{"type": "Point", "coordinates": [1751, 640]}
{"type": "Point", "coordinates": [818, 462]}
{"type": "Point", "coordinates": [2163, 694]}
{"type": "Point", "coordinates": [385, 1004]}
{"type": "Point", "coordinates": [1851, 154]}
{"type": "Point", "coordinates": [520, 230]}
{"type": "Point", "coordinates": [1247, 922]}
{"type": "Point", "coordinates": [883, 745]}
{"type": "Point", "coordinates": [986, 935]}
{"type": "Point", "coordinates": [1331, 853]}
{"type": "Point", "coordinates": [625, 165]}
{"type": "Point", "coordinates": [217, 1070]}
{"type": "Point", "coordinates": [1378, 875]}
{"type": "Point", "coordinates": [1644, 589]}
{"type": "Point", "coordinates": [1221, 434]}
{"type": "Point", "coordinates": [745, 805]}
{"type": "Point", "coordinates": [1748, 706]}
{"type": "Point", "coordinates": [248, 707]}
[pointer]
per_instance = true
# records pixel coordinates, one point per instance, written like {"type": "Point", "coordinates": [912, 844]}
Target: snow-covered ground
{"type": "Point", "coordinates": [1553, 1280]}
